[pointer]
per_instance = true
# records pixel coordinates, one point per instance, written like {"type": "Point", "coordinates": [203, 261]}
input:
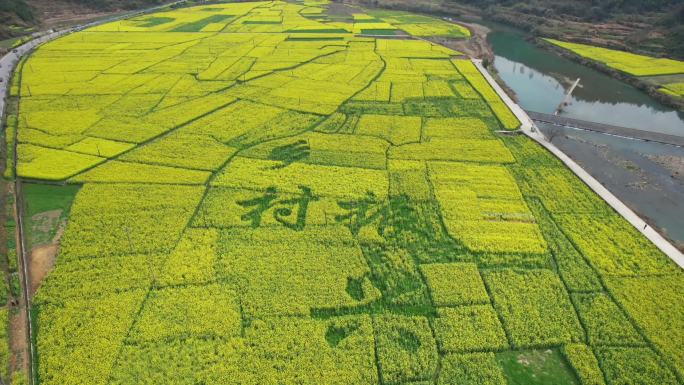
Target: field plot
{"type": "Point", "coordinates": [633, 64]}
{"type": "Point", "coordinates": [268, 197]}
{"type": "Point", "coordinates": [668, 74]}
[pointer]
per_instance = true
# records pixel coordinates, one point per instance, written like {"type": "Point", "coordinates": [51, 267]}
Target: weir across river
{"type": "Point", "coordinates": [607, 129]}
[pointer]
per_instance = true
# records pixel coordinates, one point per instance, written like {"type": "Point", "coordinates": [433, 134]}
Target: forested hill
{"type": "Point", "coordinates": [10, 10]}
{"type": "Point", "coordinates": [581, 8]}
{"type": "Point", "coordinates": [20, 16]}
{"type": "Point", "coordinates": [653, 27]}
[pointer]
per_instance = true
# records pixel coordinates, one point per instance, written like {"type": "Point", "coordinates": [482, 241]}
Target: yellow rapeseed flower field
{"type": "Point", "coordinates": [633, 64]}
{"type": "Point", "coordinates": [274, 193]}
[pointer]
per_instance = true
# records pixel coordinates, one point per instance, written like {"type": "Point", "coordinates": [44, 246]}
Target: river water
{"type": "Point", "coordinates": [648, 177]}
{"type": "Point", "coordinates": [541, 78]}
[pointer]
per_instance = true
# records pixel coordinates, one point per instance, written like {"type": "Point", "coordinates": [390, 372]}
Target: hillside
{"type": "Point", "coordinates": [650, 27]}
{"type": "Point", "coordinates": [15, 16]}
{"type": "Point", "coordinates": [18, 17]}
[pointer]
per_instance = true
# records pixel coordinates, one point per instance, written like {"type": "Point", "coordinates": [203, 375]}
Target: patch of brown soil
{"type": "Point", "coordinates": [476, 46]}
{"type": "Point", "coordinates": [56, 13]}
{"type": "Point", "coordinates": [42, 260]}
{"type": "Point", "coordinates": [45, 221]}
{"type": "Point", "coordinates": [59, 12]}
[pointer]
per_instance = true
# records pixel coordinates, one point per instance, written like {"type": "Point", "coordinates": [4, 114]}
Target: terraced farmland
{"type": "Point", "coordinates": [267, 197]}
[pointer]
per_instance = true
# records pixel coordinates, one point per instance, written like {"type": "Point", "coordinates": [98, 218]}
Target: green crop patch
{"type": "Point", "coordinates": [198, 25]}
{"type": "Point", "coordinates": [154, 21]}
{"type": "Point", "coordinates": [47, 208]}
{"type": "Point", "coordinates": [536, 367]}
{"type": "Point", "coordinates": [283, 193]}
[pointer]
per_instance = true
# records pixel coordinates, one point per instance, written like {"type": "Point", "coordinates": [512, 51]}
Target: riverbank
{"type": "Point", "coordinates": [633, 170]}
{"type": "Point", "coordinates": [475, 47]}
{"type": "Point", "coordinates": [540, 79]}
{"type": "Point", "coordinates": [530, 129]}
{"type": "Point", "coordinates": [643, 85]}
{"type": "Point", "coordinates": [648, 177]}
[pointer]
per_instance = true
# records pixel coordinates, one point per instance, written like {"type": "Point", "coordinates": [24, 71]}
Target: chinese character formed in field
{"type": "Point", "coordinates": [290, 153]}
{"type": "Point", "coordinates": [260, 204]}
{"type": "Point", "coordinates": [362, 212]}
{"type": "Point", "coordinates": [301, 202]}
{"type": "Point", "coordinates": [290, 212]}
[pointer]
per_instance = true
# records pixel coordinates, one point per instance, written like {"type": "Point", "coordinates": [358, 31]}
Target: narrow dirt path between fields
{"type": "Point", "coordinates": [18, 341]}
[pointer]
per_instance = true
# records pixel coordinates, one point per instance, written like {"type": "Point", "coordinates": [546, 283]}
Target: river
{"type": "Point", "coordinates": [541, 78]}
{"type": "Point", "coordinates": [648, 177]}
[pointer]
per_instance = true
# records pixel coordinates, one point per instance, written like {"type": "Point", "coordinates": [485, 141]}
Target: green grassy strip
{"type": "Point", "coordinates": [199, 24]}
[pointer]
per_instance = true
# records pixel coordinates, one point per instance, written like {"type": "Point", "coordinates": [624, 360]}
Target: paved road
{"type": "Point", "coordinates": [9, 61]}
{"type": "Point", "coordinates": [529, 129]}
